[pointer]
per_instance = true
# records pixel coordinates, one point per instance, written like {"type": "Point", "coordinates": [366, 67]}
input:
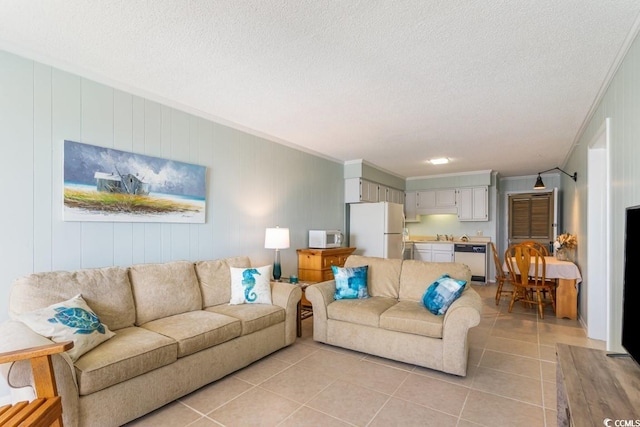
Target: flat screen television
{"type": "Point", "coordinates": [631, 292]}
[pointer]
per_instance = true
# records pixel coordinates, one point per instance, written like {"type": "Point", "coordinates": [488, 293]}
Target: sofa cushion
{"type": "Point", "coordinates": [106, 290]}
{"type": "Point", "coordinates": [131, 352]}
{"type": "Point", "coordinates": [383, 274]}
{"type": "Point", "coordinates": [360, 311]}
{"type": "Point", "coordinates": [413, 318]}
{"type": "Point", "coordinates": [351, 282]}
{"type": "Point", "coordinates": [418, 275]}
{"type": "Point", "coordinates": [442, 293]}
{"type": "Point", "coordinates": [71, 320]}
{"type": "Point", "coordinates": [251, 285]}
{"type": "Point", "coordinates": [162, 290]}
{"type": "Point", "coordinates": [196, 330]}
{"type": "Point", "coordinates": [254, 317]}
{"type": "Point", "coordinates": [215, 278]}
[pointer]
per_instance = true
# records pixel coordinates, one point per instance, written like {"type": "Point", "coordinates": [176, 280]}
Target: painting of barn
{"type": "Point", "coordinates": [104, 184]}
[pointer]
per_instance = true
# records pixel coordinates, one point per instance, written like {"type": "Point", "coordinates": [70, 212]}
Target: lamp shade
{"type": "Point", "coordinates": [539, 184]}
{"type": "Point", "coordinates": [276, 238]}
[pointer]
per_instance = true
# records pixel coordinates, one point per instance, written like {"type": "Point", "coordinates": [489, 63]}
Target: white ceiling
{"type": "Point", "coordinates": [490, 84]}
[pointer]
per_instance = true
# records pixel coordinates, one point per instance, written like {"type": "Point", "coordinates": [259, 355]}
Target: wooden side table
{"type": "Point", "coordinates": [304, 307]}
{"type": "Point", "coordinates": [314, 265]}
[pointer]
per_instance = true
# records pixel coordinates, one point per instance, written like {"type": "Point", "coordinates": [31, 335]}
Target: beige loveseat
{"type": "Point", "coordinates": [393, 323]}
{"type": "Point", "coordinates": [174, 333]}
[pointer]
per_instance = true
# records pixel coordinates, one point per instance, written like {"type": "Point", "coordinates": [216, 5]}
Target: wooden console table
{"type": "Point", "coordinates": [593, 388]}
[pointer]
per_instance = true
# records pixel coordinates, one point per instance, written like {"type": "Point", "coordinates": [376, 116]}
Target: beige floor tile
{"type": "Point", "coordinates": [433, 393]}
{"type": "Point", "coordinates": [255, 407]}
{"type": "Point", "coordinates": [548, 371]}
{"type": "Point", "coordinates": [508, 385]}
{"type": "Point", "coordinates": [388, 362]}
{"type": "Point", "coordinates": [216, 394]}
{"type": "Point", "coordinates": [298, 384]}
{"type": "Point", "coordinates": [548, 353]}
{"type": "Point", "coordinates": [551, 418]}
{"type": "Point", "coordinates": [550, 395]}
{"type": "Point", "coordinates": [400, 413]}
{"type": "Point", "coordinates": [519, 348]}
{"type": "Point", "coordinates": [171, 415]}
{"type": "Point", "coordinates": [465, 381]}
{"type": "Point", "coordinates": [511, 363]}
{"type": "Point", "coordinates": [375, 376]}
{"type": "Point", "coordinates": [490, 410]}
{"type": "Point", "coordinates": [294, 353]}
{"type": "Point", "coordinates": [204, 422]}
{"type": "Point", "coordinates": [331, 363]}
{"type": "Point", "coordinates": [352, 403]}
{"type": "Point", "coordinates": [307, 417]}
{"type": "Point", "coordinates": [261, 370]}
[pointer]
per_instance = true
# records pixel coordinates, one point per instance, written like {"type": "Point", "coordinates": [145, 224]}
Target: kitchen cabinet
{"type": "Point", "coordinates": [473, 203]}
{"type": "Point", "coordinates": [436, 202]}
{"type": "Point", "coordinates": [358, 190]}
{"type": "Point", "coordinates": [410, 212]}
{"type": "Point", "coordinates": [433, 252]}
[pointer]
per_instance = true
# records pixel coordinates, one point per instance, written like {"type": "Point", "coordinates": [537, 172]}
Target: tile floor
{"type": "Point", "coordinates": [510, 382]}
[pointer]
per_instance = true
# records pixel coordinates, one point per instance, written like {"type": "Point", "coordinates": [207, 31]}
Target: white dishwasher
{"type": "Point", "coordinates": [475, 256]}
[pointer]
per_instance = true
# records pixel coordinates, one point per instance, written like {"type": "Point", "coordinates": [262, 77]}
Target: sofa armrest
{"type": "Point", "coordinates": [15, 336]}
{"type": "Point", "coordinates": [287, 296]}
{"type": "Point", "coordinates": [461, 316]}
{"type": "Point", "coordinates": [320, 295]}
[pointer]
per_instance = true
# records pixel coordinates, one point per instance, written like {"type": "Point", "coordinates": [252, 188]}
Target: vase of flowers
{"type": "Point", "coordinates": [564, 246]}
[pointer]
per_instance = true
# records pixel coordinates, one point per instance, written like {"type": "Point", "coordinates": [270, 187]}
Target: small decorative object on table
{"type": "Point", "coordinates": [564, 246]}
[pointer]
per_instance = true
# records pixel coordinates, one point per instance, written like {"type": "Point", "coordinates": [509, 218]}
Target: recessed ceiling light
{"type": "Point", "coordinates": [440, 161]}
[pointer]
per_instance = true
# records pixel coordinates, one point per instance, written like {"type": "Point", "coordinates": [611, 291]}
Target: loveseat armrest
{"type": "Point", "coordinates": [320, 295]}
{"type": "Point", "coordinates": [15, 336]}
{"type": "Point", "coordinates": [461, 316]}
{"type": "Point", "coordinates": [287, 296]}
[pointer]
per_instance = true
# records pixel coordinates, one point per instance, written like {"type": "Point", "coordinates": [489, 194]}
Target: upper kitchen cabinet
{"type": "Point", "coordinates": [473, 203]}
{"type": "Point", "coordinates": [410, 211]}
{"type": "Point", "coordinates": [358, 190]}
{"type": "Point", "coordinates": [391, 195]}
{"type": "Point", "coordinates": [436, 201]}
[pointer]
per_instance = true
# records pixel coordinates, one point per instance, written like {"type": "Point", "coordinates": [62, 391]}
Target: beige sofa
{"type": "Point", "coordinates": [174, 333]}
{"type": "Point", "coordinates": [393, 323]}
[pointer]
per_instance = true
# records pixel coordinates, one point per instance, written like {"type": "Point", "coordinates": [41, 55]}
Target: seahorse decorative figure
{"type": "Point", "coordinates": [248, 281]}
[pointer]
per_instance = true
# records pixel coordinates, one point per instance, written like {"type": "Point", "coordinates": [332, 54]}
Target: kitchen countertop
{"type": "Point", "coordinates": [432, 239]}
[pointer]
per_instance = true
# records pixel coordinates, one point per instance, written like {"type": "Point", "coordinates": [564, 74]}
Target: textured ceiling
{"type": "Point", "coordinates": [501, 85]}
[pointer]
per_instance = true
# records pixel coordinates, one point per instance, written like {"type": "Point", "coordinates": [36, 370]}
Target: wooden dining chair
{"type": "Point", "coordinates": [501, 277]}
{"type": "Point", "coordinates": [538, 246]}
{"type": "Point", "coordinates": [527, 268]}
{"type": "Point", "coordinates": [46, 409]}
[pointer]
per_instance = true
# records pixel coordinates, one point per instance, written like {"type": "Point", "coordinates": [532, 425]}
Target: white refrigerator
{"type": "Point", "coordinates": [375, 229]}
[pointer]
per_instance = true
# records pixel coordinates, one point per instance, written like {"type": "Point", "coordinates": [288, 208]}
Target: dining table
{"type": "Point", "coordinates": [567, 275]}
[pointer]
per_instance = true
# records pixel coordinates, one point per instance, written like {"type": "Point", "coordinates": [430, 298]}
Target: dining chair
{"type": "Point", "coordinates": [537, 245]}
{"type": "Point", "coordinates": [501, 277]}
{"type": "Point", "coordinates": [46, 409]}
{"type": "Point", "coordinates": [527, 268]}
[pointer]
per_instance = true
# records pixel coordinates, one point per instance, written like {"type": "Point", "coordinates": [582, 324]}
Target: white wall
{"type": "Point", "coordinates": [621, 102]}
{"type": "Point", "coordinates": [252, 183]}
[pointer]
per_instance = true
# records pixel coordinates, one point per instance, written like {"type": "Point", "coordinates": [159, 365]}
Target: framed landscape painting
{"type": "Point", "coordinates": [103, 184]}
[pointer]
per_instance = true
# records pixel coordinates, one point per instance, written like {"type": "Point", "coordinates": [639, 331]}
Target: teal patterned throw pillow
{"type": "Point", "coordinates": [442, 293]}
{"type": "Point", "coordinates": [351, 282]}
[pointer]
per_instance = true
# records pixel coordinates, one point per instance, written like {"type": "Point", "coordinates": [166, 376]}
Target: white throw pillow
{"type": "Point", "coordinates": [251, 285]}
{"type": "Point", "coordinates": [71, 320]}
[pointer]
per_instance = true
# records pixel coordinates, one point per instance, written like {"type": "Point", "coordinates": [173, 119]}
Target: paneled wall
{"type": "Point", "coordinates": [621, 103]}
{"type": "Point", "coordinates": [252, 183]}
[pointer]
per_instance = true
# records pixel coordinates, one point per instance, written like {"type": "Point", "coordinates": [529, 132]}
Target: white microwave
{"type": "Point", "coordinates": [323, 239]}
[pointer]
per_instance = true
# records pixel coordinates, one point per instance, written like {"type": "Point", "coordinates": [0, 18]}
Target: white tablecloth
{"type": "Point", "coordinates": [556, 269]}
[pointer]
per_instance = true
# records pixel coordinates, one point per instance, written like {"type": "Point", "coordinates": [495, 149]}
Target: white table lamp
{"type": "Point", "coordinates": [276, 238]}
